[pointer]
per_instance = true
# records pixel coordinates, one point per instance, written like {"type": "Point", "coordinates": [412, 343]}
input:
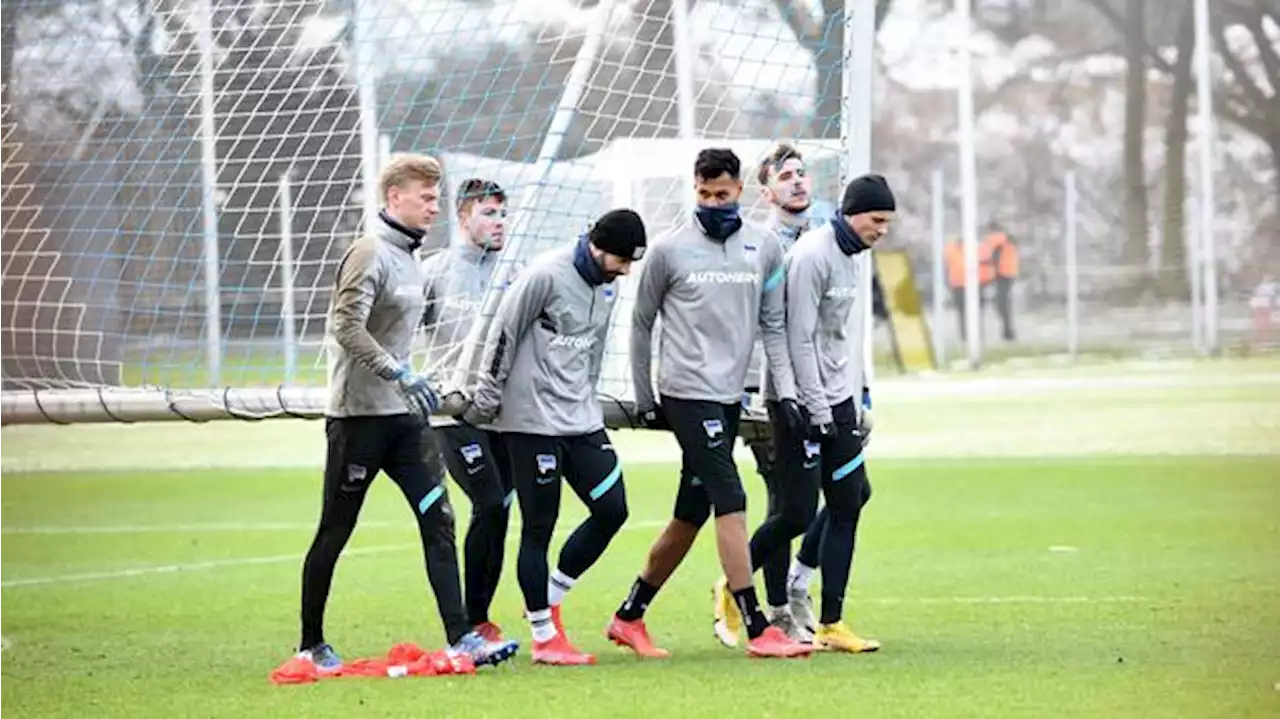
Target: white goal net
{"type": "Point", "coordinates": [180, 178]}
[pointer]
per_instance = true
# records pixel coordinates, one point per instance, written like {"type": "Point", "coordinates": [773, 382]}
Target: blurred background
{"type": "Point", "coordinates": [181, 176]}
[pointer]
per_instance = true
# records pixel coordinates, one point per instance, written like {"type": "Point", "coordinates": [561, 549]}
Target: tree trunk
{"type": "Point", "coordinates": [1173, 245]}
{"type": "Point", "coordinates": [1135, 250]}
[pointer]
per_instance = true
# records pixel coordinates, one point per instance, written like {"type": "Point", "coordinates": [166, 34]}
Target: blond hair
{"type": "Point", "coordinates": [403, 169]}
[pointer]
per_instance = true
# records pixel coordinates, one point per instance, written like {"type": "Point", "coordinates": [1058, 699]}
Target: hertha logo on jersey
{"type": "Point", "coordinates": [471, 453]}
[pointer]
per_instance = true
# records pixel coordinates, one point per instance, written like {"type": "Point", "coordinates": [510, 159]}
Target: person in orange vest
{"type": "Point", "coordinates": [999, 266]}
{"type": "Point", "coordinates": [953, 259]}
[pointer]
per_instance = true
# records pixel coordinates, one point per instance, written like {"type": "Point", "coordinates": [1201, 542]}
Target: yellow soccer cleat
{"type": "Point", "coordinates": [728, 619]}
{"type": "Point", "coordinates": [840, 638]}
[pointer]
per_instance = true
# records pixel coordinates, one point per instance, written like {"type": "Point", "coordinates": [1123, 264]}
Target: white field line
{"type": "Point", "coordinates": [270, 559]}
{"type": "Point", "coordinates": [194, 527]}
{"type": "Point", "coordinates": [384, 549]}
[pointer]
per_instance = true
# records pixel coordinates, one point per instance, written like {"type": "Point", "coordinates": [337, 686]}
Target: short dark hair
{"type": "Point", "coordinates": [776, 159]}
{"type": "Point", "coordinates": [474, 189]}
{"type": "Point", "coordinates": [713, 162]}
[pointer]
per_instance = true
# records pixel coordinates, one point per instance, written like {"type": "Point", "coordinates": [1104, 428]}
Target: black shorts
{"type": "Point", "coordinates": [709, 479]}
{"type": "Point", "coordinates": [477, 461]}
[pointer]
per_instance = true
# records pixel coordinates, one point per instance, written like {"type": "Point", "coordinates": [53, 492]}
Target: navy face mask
{"type": "Point", "coordinates": [719, 222]}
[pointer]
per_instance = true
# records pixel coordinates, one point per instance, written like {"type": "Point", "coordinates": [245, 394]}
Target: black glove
{"type": "Point", "coordinates": [819, 432]}
{"type": "Point", "coordinates": [654, 418]}
{"type": "Point", "coordinates": [795, 417]}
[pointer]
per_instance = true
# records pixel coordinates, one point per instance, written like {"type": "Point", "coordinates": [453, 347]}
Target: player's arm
{"type": "Point", "coordinates": [360, 280]}
{"type": "Point", "coordinates": [773, 322]}
{"type": "Point", "coordinates": [650, 292]}
{"type": "Point", "coordinates": [520, 306]}
{"type": "Point", "coordinates": [806, 281]}
{"type": "Point", "coordinates": [431, 274]}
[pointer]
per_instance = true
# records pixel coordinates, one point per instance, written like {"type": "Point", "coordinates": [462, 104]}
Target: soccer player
{"type": "Point", "coordinates": [826, 327]}
{"type": "Point", "coordinates": [457, 279]}
{"type": "Point", "coordinates": [715, 281]}
{"type": "Point", "coordinates": [542, 362]}
{"type": "Point", "coordinates": [788, 188]}
{"type": "Point", "coordinates": [377, 406]}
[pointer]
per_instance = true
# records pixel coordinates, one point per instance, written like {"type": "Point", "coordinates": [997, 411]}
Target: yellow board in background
{"type": "Point", "coordinates": [911, 343]}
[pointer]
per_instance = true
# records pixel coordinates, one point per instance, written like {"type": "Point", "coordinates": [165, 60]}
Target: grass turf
{"type": "Point", "coordinates": [1066, 587]}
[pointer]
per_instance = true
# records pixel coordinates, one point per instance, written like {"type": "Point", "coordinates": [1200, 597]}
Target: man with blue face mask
{"type": "Point", "coordinates": [717, 283]}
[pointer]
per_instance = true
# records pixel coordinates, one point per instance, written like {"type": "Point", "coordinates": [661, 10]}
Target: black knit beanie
{"type": "Point", "coordinates": [868, 193]}
{"type": "Point", "coordinates": [620, 233]}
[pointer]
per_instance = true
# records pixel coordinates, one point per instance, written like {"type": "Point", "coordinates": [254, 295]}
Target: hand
{"type": "Point", "coordinates": [417, 392]}
{"type": "Point", "coordinates": [654, 418]}
{"type": "Point", "coordinates": [795, 417]}
{"type": "Point", "coordinates": [821, 431]}
{"type": "Point", "coordinates": [865, 419]}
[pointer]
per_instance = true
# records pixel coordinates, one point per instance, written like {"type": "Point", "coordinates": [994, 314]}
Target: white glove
{"type": "Point", "coordinates": [866, 420]}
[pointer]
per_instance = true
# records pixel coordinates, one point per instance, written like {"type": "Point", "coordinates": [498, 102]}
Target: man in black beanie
{"type": "Point", "coordinates": [826, 332]}
{"type": "Point", "coordinates": [541, 361]}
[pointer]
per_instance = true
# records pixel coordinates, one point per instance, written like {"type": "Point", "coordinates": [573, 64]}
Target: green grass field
{"type": "Point", "coordinates": [1106, 551]}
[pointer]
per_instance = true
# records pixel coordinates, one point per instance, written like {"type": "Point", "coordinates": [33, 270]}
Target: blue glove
{"type": "Point", "coordinates": [418, 394]}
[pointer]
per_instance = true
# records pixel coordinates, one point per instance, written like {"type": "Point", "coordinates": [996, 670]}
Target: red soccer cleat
{"type": "Point", "coordinates": [773, 643]}
{"type": "Point", "coordinates": [558, 651]}
{"type": "Point", "coordinates": [489, 631]}
{"type": "Point", "coordinates": [635, 636]}
{"type": "Point", "coordinates": [555, 619]}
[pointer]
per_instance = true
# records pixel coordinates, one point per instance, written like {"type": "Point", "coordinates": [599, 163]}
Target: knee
{"type": "Point", "coordinates": [796, 520]}
{"type": "Point", "coordinates": [730, 499]}
{"type": "Point", "coordinates": [489, 509]}
{"type": "Point", "coordinates": [438, 523]}
{"type": "Point", "coordinates": [537, 533]}
{"type": "Point", "coordinates": [611, 515]}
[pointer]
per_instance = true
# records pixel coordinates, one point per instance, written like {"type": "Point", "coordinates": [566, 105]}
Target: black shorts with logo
{"type": "Point", "coordinates": [709, 480]}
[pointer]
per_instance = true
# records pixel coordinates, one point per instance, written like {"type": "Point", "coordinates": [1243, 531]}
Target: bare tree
{"type": "Point", "coordinates": [1173, 252]}
{"type": "Point", "coordinates": [1135, 124]}
{"type": "Point", "coordinates": [824, 39]}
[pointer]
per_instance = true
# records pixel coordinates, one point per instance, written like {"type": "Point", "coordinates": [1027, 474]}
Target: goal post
{"type": "Point", "coordinates": [265, 175]}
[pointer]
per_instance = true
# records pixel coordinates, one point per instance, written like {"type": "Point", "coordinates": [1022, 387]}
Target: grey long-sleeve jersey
{"type": "Point", "coordinates": [373, 315]}
{"type": "Point", "coordinates": [786, 234]}
{"type": "Point", "coordinates": [713, 298]}
{"type": "Point", "coordinates": [544, 351]}
{"type": "Point", "coordinates": [826, 341]}
{"type": "Point", "coordinates": [456, 279]}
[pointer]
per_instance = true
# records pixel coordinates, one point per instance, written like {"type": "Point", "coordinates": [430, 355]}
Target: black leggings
{"type": "Point", "coordinates": [591, 469]}
{"type": "Point", "coordinates": [833, 468]}
{"type": "Point", "coordinates": [477, 461]}
{"type": "Point", "coordinates": [360, 447]}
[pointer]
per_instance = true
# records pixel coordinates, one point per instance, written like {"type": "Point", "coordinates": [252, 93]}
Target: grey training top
{"type": "Point", "coordinates": [456, 279]}
{"type": "Point", "coordinates": [544, 351]}
{"type": "Point", "coordinates": [826, 341]}
{"type": "Point", "coordinates": [713, 297]}
{"type": "Point", "coordinates": [373, 315]}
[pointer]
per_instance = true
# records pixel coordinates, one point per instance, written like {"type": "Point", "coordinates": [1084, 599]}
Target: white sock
{"type": "Point", "coordinates": [558, 586]}
{"type": "Point", "coordinates": [799, 577]}
{"type": "Point", "coordinates": [543, 629]}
